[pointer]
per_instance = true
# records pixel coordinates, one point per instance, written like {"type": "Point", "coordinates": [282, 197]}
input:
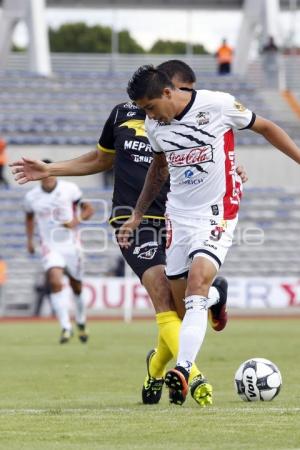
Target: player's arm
{"type": "Point", "coordinates": [86, 211]}
{"type": "Point", "coordinates": [277, 137]}
{"type": "Point", "coordinates": [155, 179]}
{"type": "Point", "coordinates": [29, 227]}
{"type": "Point", "coordinates": [90, 163]}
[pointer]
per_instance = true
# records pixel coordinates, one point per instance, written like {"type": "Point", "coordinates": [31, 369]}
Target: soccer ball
{"type": "Point", "coordinates": [257, 379]}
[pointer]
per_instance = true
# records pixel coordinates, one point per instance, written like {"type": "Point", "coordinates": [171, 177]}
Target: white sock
{"type": "Point", "coordinates": [192, 330]}
{"type": "Point", "coordinates": [213, 296]}
{"type": "Point", "coordinates": [60, 305]}
{"type": "Point", "coordinates": [80, 315]}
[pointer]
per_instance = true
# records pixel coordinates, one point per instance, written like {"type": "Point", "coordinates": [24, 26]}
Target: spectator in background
{"type": "Point", "coordinates": [3, 277]}
{"type": "Point", "coordinates": [270, 46]}
{"type": "Point", "coordinates": [270, 63]}
{"type": "Point", "coordinates": [224, 57]}
{"type": "Point", "coordinates": [3, 161]}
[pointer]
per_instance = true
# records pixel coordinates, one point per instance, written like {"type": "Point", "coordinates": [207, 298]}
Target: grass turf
{"type": "Point", "coordinates": [87, 397]}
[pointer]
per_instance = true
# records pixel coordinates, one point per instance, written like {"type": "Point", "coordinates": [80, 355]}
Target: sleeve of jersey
{"type": "Point", "coordinates": [75, 194]}
{"type": "Point", "coordinates": [154, 145]}
{"type": "Point", "coordinates": [106, 141]}
{"type": "Point", "coordinates": [235, 114]}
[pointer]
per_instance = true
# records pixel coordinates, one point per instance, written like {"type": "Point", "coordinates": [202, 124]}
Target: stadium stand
{"type": "Point", "coordinates": [70, 108]}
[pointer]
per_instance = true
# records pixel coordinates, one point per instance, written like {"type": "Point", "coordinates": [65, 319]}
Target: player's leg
{"type": "Point", "coordinates": [80, 310]}
{"type": "Point", "coordinates": [217, 297]}
{"type": "Point", "coordinates": [192, 334]}
{"type": "Point", "coordinates": [168, 324]}
{"type": "Point", "coordinates": [177, 270]}
{"type": "Point", "coordinates": [59, 300]}
{"type": "Point", "coordinates": [156, 284]}
{"type": "Point", "coordinates": [74, 270]}
{"type": "Point", "coordinates": [207, 259]}
{"type": "Point", "coordinates": [146, 257]}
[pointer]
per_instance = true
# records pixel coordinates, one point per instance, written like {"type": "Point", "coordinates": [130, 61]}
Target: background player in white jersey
{"type": "Point", "coordinates": [52, 206]}
{"type": "Point", "coordinates": [191, 133]}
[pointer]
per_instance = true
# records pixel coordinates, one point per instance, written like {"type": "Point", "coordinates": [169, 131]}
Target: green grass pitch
{"type": "Point", "coordinates": [87, 397]}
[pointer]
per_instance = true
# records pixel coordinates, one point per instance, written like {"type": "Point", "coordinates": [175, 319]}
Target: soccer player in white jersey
{"type": "Point", "coordinates": [52, 206]}
{"type": "Point", "coordinates": [191, 134]}
{"type": "Point", "coordinates": [129, 160]}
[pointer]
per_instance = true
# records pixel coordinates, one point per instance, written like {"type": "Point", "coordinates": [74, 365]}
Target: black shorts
{"type": "Point", "coordinates": [224, 68]}
{"type": "Point", "coordinates": [147, 247]}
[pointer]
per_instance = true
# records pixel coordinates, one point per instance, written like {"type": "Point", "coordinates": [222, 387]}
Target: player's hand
{"type": "Point", "coordinates": [72, 224]}
{"type": "Point", "coordinates": [27, 169]}
{"type": "Point", "coordinates": [127, 229]}
{"type": "Point", "coordinates": [30, 248]}
{"type": "Point", "coordinates": [240, 170]}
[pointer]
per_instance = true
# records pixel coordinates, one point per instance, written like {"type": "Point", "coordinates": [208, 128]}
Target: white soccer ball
{"type": "Point", "coordinates": [257, 379]}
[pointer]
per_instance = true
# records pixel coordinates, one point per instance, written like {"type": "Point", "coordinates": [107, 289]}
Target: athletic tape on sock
{"type": "Point", "coordinates": [195, 302]}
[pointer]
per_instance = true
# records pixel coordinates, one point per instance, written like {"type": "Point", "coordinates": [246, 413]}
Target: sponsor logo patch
{"type": "Point", "coordinates": [215, 210]}
{"type": "Point", "coordinates": [239, 106]}
{"type": "Point", "coordinates": [202, 118]}
{"type": "Point", "coordinates": [146, 251]}
{"type": "Point", "coordinates": [207, 244]}
{"type": "Point", "coordinates": [193, 157]}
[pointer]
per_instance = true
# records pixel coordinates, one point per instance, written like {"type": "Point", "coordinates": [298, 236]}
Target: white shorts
{"type": "Point", "coordinates": [68, 258]}
{"type": "Point", "coordinates": [188, 238]}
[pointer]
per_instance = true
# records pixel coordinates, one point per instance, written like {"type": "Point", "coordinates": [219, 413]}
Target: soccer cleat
{"type": "Point", "coordinates": [176, 381]}
{"type": "Point", "coordinates": [152, 388]}
{"type": "Point", "coordinates": [65, 336]}
{"type": "Point", "coordinates": [217, 314]}
{"type": "Point", "coordinates": [201, 391]}
{"type": "Point", "coordinates": [83, 334]}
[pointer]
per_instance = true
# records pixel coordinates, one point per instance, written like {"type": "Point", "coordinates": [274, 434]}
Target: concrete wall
{"type": "Point", "coordinates": [266, 166]}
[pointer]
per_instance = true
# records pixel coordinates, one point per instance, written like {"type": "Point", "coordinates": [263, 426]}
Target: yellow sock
{"type": "Point", "coordinates": [166, 321]}
{"type": "Point", "coordinates": [160, 359]}
{"type": "Point", "coordinates": [169, 327]}
{"type": "Point", "coordinates": [194, 372]}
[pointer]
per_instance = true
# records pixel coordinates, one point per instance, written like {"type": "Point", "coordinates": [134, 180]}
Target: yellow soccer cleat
{"type": "Point", "coordinates": [152, 387]}
{"type": "Point", "coordinates": [201, 391]}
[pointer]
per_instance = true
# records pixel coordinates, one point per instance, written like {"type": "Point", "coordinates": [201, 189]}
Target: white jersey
{"type": "Point", "coordinates": [51, 211]}
{"type": "Point", "coordinates": [199, 148]}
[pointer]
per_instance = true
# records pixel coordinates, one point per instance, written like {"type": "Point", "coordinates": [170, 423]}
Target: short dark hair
{"type": "Point", "coordinates": [178, 68]}
{"type": "Point", "coordinates": [147, 81]}
{"type": "Point", "coordinates": [47, 161]}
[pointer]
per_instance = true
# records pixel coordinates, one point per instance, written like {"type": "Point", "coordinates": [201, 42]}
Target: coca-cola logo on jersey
{"type": "Point", "coordinates": [191, 157]}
